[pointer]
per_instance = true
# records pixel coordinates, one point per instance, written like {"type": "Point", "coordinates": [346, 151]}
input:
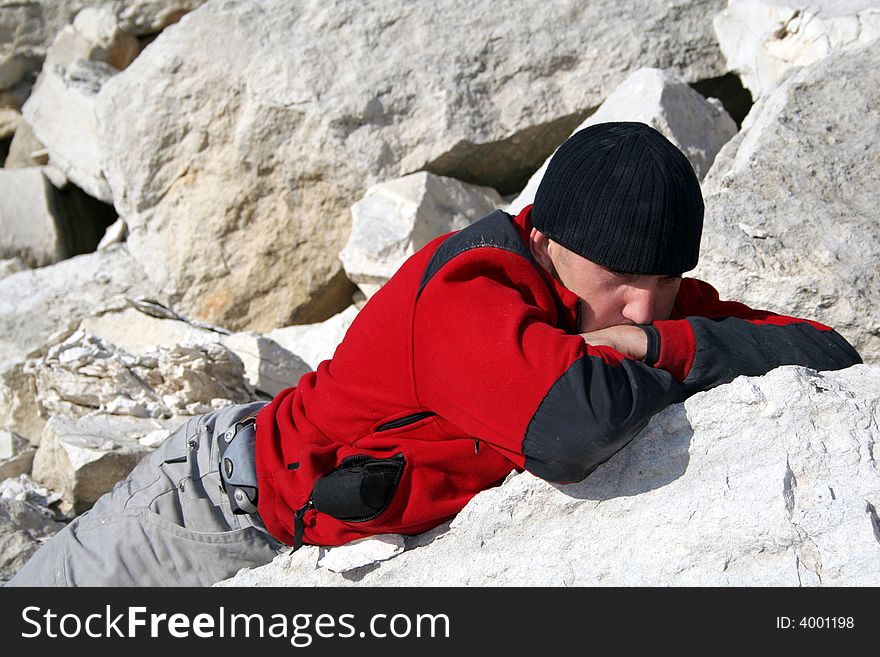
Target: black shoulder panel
{"type": "Point", "coordinates": [495, 230]}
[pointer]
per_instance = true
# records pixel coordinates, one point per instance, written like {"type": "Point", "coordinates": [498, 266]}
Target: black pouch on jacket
{"type": "Point", "coordinates": [359, 489]}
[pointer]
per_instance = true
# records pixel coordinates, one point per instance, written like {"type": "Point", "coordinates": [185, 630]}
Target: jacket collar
{"type": "Point", "coordinates": [567, 299]}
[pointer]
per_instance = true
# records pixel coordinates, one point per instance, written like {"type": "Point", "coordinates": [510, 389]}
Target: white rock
{"type": "Point", "coordinates": [20, 412]}
{"type": "Point", "coordinates": [697, 126]}
{"type": "Point", "coordinates": [268, 367]}
{"type": "Point", "coordinates": [25, 150]}
{"type": "Point", "coordinates": [235, 162]}
{"type": "Point", "coordinates": [767, 481]}
{"type": "Point", "coordinates": [11, 266]}
{"type": "Point", "coordinates": [150, 16]}
{"type": "Point", "coordinates": [29, 228]}
{"type": "Point", "coordinates": [154, 438]}
{"type": "Point", "coordinates": [116, 233]}
{"type": "Point", "coordinates": [395, 219]}
{"type": "Point", "coordinates": [315, 342]}
{"type": "Point", "coordinates": [55, 176]}
{"type": "Point", "coordinates": [764, 39]}
{"type": "Point", "coordinates": [130, 328]}
{"type": "Point", "coordinates": [61, 108]}
{"type": "Point", "coordinates": [10, 119]}
{"type": "Point", "coordinates": [37, 303]}
{"type": "Point", "coordinates": [85, 372]}
{"type": "Point", "coordinates": [95, 35]}
{"type": "Point", "coordinates": [83, 458]}
{"type": "Point", "coordinates": [791, 205]}
{"type": "Point", "coordinates": [16, 455]}
{"type": "Point", "coordinates": [362, 552]}
{"type": "Point", "coordinates": [24, 526]}
{"type": "Point", "coordinates": [125, 406]}
{"type": "Point", "coordinates": [30, 26]}
{"type": "Point", "coordinates": [24, 489]}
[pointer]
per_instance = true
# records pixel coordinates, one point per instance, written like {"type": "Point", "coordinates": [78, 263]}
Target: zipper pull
{"type": "Point", "coordinates": [476, 445]}
{"type": "Point", "coordinates": [299, 525]}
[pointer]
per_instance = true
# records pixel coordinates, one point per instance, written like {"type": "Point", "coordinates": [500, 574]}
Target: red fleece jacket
{"type": "Point", "coordinates": [466, 365]}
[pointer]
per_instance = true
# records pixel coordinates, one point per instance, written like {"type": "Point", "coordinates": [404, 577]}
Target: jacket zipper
{"type": "Point", "coordinates": [299, 524]}
{"type": "Point", "coordinates": [403, 421]}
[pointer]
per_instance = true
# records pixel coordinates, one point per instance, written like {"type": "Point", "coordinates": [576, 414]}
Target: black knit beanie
{"type": "Point", "coordinates": [622, 196]}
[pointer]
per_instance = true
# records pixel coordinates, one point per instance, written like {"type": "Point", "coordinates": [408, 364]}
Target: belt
{"type": "Point", "coordinates": [238, 466]}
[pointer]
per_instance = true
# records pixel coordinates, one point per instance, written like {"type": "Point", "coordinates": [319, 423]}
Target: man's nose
{"type": "Point", "coordinates": [640, 302]}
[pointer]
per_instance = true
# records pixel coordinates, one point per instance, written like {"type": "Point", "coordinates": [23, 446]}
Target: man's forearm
{"type": "Point", "coordinates": [630, 340]}
{"type": "Point", "coordinates": [703, 352]}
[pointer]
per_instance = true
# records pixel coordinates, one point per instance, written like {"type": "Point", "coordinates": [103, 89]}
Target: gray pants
{"type": "Point", "coordinates": [167, 524]}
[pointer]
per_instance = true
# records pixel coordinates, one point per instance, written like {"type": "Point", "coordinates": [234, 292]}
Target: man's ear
{"type": "Point", "coordinates": [539, 245]}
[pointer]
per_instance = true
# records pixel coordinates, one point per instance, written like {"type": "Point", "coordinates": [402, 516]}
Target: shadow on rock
{"type": "Point", "coordinates": [656, 457]}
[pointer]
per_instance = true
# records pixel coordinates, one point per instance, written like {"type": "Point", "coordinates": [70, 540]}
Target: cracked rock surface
{"type": "Point", "coordinates": [766, 481]}
{"type": "Point", "coordinates": [791, 201]}
{"type": "Point", "coordinates": [268, 134]}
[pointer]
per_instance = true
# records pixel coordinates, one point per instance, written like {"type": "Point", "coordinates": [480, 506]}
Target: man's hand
{"type": "Point", "coordinates": [627, 339]}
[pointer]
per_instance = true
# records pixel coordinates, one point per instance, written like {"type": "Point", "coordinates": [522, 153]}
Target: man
{"type": "Point", "coordinates": [542, 342]}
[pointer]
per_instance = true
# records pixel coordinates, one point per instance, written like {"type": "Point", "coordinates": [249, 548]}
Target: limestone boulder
{"type": "Point", "coordinates": [696, 125]}
{"type": "Point", "coordinates": [40, 303]}
{"type": "Point", "coordinates": [114, 234]}
{"type": "Point", "coordinates": [85, 373]}
{"type": "Point", "coordinates": [24, 489]}
{"type": "Point", "coordinates": [10, 119]}
{"type": "Point", "coordinates": [108, 407]}
{"type": "Point", "coordinates": [269, 367]}
{"type": "Point", "coordinates": [362, 552]}
{"type": "Point", "coordinates": [26, 520]}
{"type": "Point", "coordinates": [25, 150]}
{"type": "Point", "coordinates": [11, 266]}
{"type": "Point", "coordinates": [16, 455]}
{"type": "Point", "coordinates": [27, 28]}
{"type": "Point", "coordinates": [61, 108]}
{"type": "Point", "coordinates": [791, 204]}
{"type": "Point", "coordinates": [258, 143]}
{"type": "Point", "coordinates": [29, 226]}
{"type": "Point", "coordinates": [315, 342]}
{"type": "Point", "coordinates": [766, 481]}
{"type": "Point", "coordinates": [763, 40]}
{"type": "Point", "coordinates": [137, 357]}
{"type": "Point", "coordinates": [83, 458]}
{"type": "Point", "coordinates": [20, 412]}
{"type": "Point", "coordinates": [146, 17]}
{"type": "Point", "coordinates": [395, 219]}
{"type": "Point", "coordinates": [139, 325]}
{"type": "Point", "coordinates": [95, 35]}
{"type": "Point", "coordinates": [21, 525]}
{"type": "Point", "coordinates": [41, 224]}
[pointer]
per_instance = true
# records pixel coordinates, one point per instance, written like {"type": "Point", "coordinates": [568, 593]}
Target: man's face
{"type": "Point", "coordinates": [608, 298]}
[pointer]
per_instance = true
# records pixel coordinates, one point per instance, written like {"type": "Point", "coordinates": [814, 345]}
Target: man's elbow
{"type": "Point", "coordinates": [846, 355]}
{"type": "Point", "coordinates": [565, 459]}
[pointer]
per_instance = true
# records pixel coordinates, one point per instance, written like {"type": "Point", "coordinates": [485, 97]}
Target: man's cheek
{"type": "Point", "coordinates": [585, 317]}
{"type": "Point", "coordinates": [665, 304]}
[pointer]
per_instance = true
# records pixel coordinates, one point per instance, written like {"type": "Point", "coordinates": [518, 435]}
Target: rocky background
{"type": "Point", "coordinates": [197, 198]}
